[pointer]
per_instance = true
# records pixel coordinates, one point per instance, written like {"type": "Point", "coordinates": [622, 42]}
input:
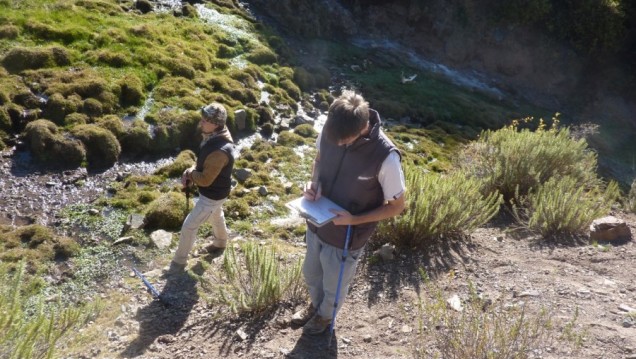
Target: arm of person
{"type": "Point", "coordinates": [313, 189]}
{"type": "Point", "coordinates": [212, 166]}
{"type": "Point", "coordinates": [387, 210]}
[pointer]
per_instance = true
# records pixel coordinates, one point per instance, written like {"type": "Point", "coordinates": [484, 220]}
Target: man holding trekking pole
{"type": "Point", "coordinates": [212, 173]}
{"type": "Point", "coordinates": [358, 168]}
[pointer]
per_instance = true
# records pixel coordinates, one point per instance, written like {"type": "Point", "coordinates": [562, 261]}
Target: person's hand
{"type": "Point", "coordinates": [186, 178]}
{"type": "Point", "coordinates": [344, 218]}
{"type": "Point", "coordinates": [312, 191]}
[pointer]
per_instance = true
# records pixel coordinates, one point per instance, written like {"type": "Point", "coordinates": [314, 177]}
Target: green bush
{"type": "Point", "coordinates": [57, 107]}
{"type": "Point", "coordinates": [511, 161]}
{"type": "Point", "coordinates": [9, 31]}
{"type": "Point", "coordinates": [259, 281]}
{"type": "Point", "coordinates": [136, 140]}
{"type": "Point", "coordinates": [28, 333]}
{"type": "Point", "coordinates": [563, 206]}
{"type": "Point", "coordinates": [113, 124]}
{"type": "Point", "coordinates": [438, 206]}
{"type": "Point", "coordinates": [631, 198]}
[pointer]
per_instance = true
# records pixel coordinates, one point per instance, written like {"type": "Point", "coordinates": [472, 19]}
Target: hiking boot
{"type": "Point", "coordinates": [173, 269]}
{"type": "Point", "coordinates": [210, 249]}
{"type": "Point", "coordinates": [302, 316]}
{"type": "Point", "coordinates": [316, 325]}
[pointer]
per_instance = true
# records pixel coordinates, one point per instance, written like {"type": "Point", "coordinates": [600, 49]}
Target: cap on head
{"type": "Point", "coordinates": [214, 113]}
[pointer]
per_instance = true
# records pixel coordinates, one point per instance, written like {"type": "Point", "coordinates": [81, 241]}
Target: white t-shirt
{"type": "Point", "coordinates": [391, 176]}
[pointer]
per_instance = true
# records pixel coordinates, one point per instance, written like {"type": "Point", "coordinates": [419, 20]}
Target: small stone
{"type": "Point", "coordinates": [241, 334]}
{"type": "Point", "coordinates": [529, 293]}
{"type": "Point", "coordinates": [367, 338]}
{"type": "Point", "coordinates": [626, 308]}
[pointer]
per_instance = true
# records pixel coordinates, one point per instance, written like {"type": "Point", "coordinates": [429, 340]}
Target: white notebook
{"type": "Point", "coordinates": [317, 212]}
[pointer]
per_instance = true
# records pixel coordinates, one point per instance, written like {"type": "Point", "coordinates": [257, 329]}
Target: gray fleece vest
{"type": "Point", "coordinates": [222, 184]}
{"type": "Point", "coordinates": [349, 177]}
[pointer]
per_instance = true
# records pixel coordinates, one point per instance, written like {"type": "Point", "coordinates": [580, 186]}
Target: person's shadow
{"type": "Point", "coordinates": [315, 347]}
{"type": "Point", "coordinates": [163, 318]}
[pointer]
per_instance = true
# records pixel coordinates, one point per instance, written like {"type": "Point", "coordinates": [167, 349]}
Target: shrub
{"type": "Point", "coordinates": [166, 212]}
{"type": "Point", "coordinates": [562, 206]}
{"type": "Point", "coordinates": [438, 206]}
{"type": "Point", "coordinates": [28, 333]}
{"type": "Point", "coordinates": [258, 281]}
{"type": "Point", "coordinates": [631, 198]}
{"type": "Point", "coordinates": [36, 244]}
{"type": "Point", "coordinates": [48, 145]}
{"type": "Point", "coordinates": [511, 161]}
{"type": "Point", "coordinates": [102, 147]}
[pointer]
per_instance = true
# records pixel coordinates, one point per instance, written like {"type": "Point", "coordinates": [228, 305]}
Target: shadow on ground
{"type": "Point", "coordinates": [160, 320]}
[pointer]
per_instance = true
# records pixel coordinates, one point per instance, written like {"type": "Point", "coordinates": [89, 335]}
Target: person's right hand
{"type": "Point", "coordinates": [312, 191]}
{"type": "Point", "coordinates": [185, 178]}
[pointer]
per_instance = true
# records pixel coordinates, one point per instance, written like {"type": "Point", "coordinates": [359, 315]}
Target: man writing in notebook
{"type": "Point", "coordinates": [358, 168]}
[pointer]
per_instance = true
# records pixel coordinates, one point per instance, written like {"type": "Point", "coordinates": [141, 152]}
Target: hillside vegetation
{"type": "Point", "coordinates": [88, 83]}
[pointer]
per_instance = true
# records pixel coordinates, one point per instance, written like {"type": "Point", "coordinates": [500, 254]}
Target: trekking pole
{"type": "Point", "coordinates": [150, 287]}
{"type": "Point", "coordinates": [335, 304]}
{"type": "Point", "coordinates": [187, 193]}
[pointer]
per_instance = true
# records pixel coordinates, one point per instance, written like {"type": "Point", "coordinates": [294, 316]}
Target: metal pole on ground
{"type": "Point", "coordinates": [342, 263]}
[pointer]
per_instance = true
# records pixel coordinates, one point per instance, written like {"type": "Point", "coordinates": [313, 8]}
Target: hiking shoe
{"type": "Point", "coordinates": [316, 325]}
{"type": "Point", "coordinates": [302, 316]}
{"type": "Point", "coordinates": [210, 249]}
{"type": "Point", "coordinates": [173, 269]}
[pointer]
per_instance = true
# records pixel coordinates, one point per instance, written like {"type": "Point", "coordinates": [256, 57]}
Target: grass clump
{"type": "Point", "coordinates": [36, 244]}
{"type": "Point", "coordinates": [257, 280]}
{"type": "Point", "coordinates": [35, 332]}
{"type": "Point", "coordinates": [485, 330]}
{"type": "Point", "coordinates": [562, 206]}
{"type": "Point", "coordinates": [438, 206]}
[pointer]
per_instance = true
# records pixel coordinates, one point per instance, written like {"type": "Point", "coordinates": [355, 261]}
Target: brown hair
{"type": "Point", "coordinates": [348, 115]}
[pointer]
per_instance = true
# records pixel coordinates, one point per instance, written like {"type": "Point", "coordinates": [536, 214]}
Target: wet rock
{"type": "Point", "coordinates": [242, 174]}
{"type": "Point", "coordinates": [263, 191]}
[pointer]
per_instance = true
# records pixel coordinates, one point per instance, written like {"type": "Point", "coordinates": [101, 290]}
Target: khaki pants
{"type": "Point", "coordinates": [321, 269]}
{"type": "Point", "coordinates": [205, 210]}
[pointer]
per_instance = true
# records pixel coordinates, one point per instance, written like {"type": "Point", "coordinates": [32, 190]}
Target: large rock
{"type": "Point", "coordinates": [608, 229]}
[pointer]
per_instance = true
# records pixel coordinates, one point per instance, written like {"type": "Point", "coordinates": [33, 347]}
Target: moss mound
{"type": "Point", "coordinates": [22, 58]}
{"type": "Point", "coordinates": [50, 146]}
{"type": "Point", "coordinates": [102, 146]}
{"type": "Point", "coordinates": [35, 243]}
{"type": "Point", "coordinates": [184, 160]}
{"type": "Point", "coordinates": [166, 212]}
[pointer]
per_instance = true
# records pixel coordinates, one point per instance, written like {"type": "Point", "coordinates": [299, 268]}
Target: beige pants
{"type": "Point", "coordinates": [205, 210]}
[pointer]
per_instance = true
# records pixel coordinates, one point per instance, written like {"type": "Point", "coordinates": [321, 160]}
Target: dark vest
{"type": "Point", "coordinates": [349, 177]}
{"type": "Point", "coordinates": [221, 186]}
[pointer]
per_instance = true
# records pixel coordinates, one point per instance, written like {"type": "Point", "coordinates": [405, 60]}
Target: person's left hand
{"type": "Point", "coordinates": [343, 218]}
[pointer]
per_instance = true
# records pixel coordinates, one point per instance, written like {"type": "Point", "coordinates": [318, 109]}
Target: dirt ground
{"type": "Point", "coordinates": [380, 318]}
